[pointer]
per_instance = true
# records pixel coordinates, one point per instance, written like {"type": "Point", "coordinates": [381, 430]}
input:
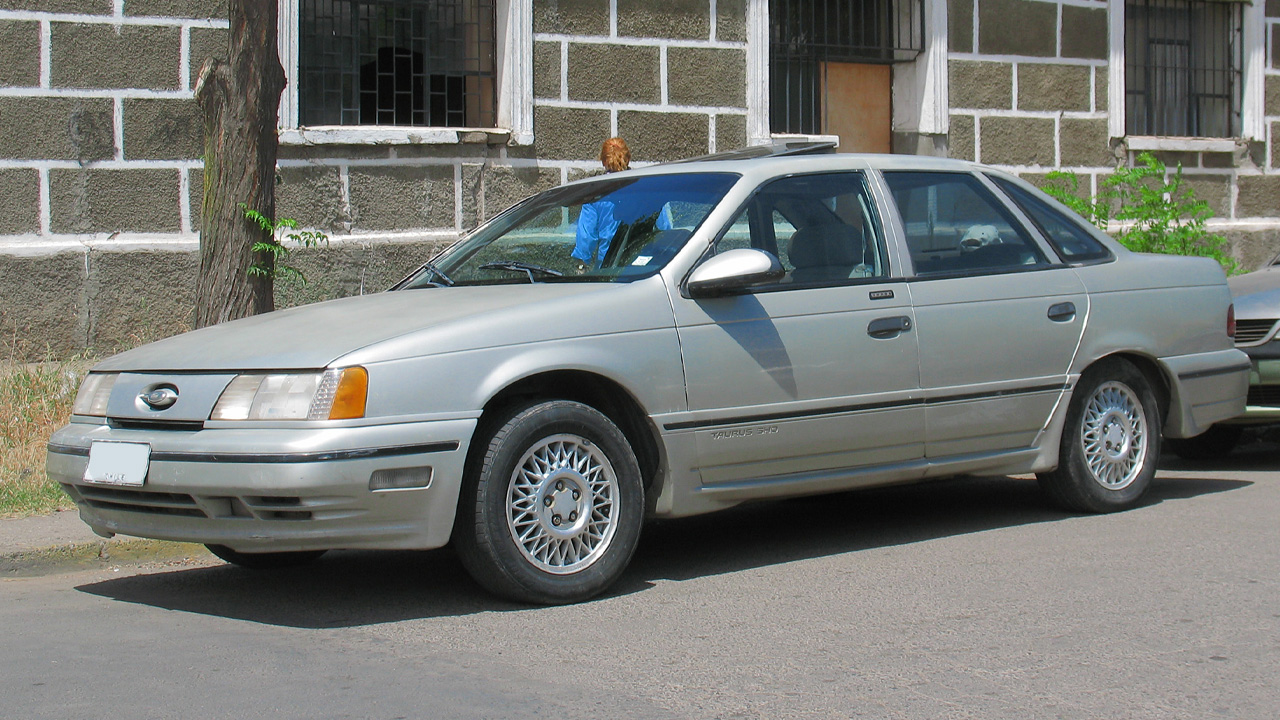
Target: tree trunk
{"type": "Point", "coordinates": [239, 100]}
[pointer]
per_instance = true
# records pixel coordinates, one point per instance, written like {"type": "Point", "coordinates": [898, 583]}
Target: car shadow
{"type": "Point", "coordinates": [1259, 450]}
{"type": "Point", "coordinates": [357, 588]}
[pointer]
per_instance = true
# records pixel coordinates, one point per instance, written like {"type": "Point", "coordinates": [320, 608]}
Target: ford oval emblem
{"type": "Point", "coordinates": [160, 398]}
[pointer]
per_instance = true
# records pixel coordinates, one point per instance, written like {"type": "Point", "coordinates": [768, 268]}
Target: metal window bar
{"type": "Point", "coordinates": [805, 35]}
{"type": "Point", "coordinates": [1183, 68]}
{"type": "Point", "coordinates": [397, 62]}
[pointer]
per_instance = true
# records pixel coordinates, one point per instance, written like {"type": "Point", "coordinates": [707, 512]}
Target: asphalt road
{"type": "Point", "coordinates": [960, 599]}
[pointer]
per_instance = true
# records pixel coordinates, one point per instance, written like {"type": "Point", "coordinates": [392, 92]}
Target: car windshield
{"type": "Point", "coordinates": [616, 229]}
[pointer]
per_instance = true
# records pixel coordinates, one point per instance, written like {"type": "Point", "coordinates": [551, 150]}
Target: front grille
{"type": "Point", "coordinates": [198, 506]}
{"type": "Point", "coordinates": [1264, 395]}
{"type": "Point", "coordinates": [1252, 331]}
{"type": "Point", "coordinates": [154, 503]}
{"type": "Point", "coordinates": [134, 424]}
{"type": "Point", "coordinates": [277, 508]}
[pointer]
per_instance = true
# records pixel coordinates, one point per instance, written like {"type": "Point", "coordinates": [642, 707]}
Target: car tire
{"type": "Point", "coordinates": [1213, 444]}
{"type": "Point", "coordinates": [1110, 441]}
{"type": "Point", "coordinates": [550, 513]}
{"type": "Point", "coordinates": [266, 560]}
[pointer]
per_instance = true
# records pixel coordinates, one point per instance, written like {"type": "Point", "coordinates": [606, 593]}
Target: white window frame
{"type": "Point", "coordinates": [515, 91]}
{"type": "Point", "coordinates": [1252, 107]}
{"type": "Point", "coordinates": [922, 90]}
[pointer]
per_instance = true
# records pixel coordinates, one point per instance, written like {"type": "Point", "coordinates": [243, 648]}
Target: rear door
{"type": "Point", "coordinates": [998, 321]}
{"type": "Point", "coordinates": [818, 372]}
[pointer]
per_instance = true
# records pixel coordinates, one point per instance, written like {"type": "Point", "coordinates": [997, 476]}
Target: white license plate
{"type": "Point", "coordinates": [117, 463]}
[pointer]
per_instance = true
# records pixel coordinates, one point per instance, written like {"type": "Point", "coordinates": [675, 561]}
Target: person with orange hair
{"type": "Point", "coordinates": [598, 221]}
{"type": "Point", "coordinates": [615, 156]}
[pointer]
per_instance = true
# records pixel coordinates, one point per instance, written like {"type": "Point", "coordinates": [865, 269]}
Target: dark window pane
{"type": "Point", "coordinates": [1072, 241]}
{"type": "Point", "coordinates": [823, 228]}
{"type": "Point", "coordinates": [805, 35]}
{"type": "Point", "coordinates": [397, 62]}
{"type": "Point", "coordinates": [1183, 68]}
{"type": "Point", "coordinates": [955, 225]}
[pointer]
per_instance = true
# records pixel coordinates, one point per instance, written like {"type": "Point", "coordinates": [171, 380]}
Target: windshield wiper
{"type": "Point", "coordinates": [523, 267]}
{"type": "Point", "coordinates": [445, 280]}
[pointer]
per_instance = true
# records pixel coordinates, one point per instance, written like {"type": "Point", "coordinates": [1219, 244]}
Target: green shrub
{"type": "Point", "coordinates": [279, 267]}
{"type": "Point", "coordinates": [1147, 209]}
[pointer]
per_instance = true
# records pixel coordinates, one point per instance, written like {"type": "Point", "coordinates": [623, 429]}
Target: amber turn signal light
{"type": "Point", "coordinates": [349, 399]}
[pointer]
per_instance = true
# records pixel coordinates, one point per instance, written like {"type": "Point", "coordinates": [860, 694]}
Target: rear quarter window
{"type": "Point", "coordinates": [1072, 241]}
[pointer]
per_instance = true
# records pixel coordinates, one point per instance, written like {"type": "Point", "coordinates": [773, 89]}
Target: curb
{"type": "Point", "coordinates": [98, 555]}
{"type": "Point", "coordinates": [62, 542]}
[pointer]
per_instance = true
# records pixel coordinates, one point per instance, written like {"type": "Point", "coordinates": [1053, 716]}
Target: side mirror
{"type": "Point", "coordinates": [734, 271]}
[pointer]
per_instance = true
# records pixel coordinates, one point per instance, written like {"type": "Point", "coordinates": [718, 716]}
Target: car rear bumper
{"type": "Point", "coordinates": [279, 489]}
{"type": "Point", "coordinates": [1205, 388]}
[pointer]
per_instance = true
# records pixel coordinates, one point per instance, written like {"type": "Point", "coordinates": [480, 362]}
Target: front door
{"type": "Point", "coordinates": [801, 378]}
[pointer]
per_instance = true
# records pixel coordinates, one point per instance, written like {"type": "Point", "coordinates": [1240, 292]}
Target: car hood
{"type": "Point", "coordinates": [315, 336]}
{"type": "Point", "coordinates": [1257, 294]}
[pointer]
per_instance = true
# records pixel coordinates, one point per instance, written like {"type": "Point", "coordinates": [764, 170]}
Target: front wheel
{"type": "Point", "coordinates": [552, 511]}
{"type": "Point", "coordinates": [1110, 441]}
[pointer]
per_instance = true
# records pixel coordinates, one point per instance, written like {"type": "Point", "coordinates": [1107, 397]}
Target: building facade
{"type": "Point", "coordinates": [408, 122]}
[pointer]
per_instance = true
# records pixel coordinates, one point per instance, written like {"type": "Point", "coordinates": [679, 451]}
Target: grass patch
{"type": "Point", "coordinates": [35, 400]}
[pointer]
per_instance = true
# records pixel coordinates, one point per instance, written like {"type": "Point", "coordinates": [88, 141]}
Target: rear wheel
{"type": "Point", "coordinates": [1213, 444]}
{"type": "Point", "coordinates": [266, 560]}
{"type": "Point", "coordinates": [552, 512]}
{"type": "Point", "coordinates": [1110, 442]}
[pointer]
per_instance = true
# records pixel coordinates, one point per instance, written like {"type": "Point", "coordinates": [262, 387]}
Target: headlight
{"type": "Point", "coordinates": [94, 393]}
{"type": "Point", "coordinates": [329, 395]}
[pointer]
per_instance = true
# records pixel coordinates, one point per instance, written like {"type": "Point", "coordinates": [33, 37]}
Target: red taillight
{"type": "Point", "coordinates": [1231, 320]}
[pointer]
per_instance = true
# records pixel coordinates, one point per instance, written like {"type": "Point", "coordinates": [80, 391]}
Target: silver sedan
{"type": "Point", "coordinates": [666, 342]}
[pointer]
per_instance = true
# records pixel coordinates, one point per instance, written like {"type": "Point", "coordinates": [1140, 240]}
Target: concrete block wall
{"type": "Point", "coordinates": [100, 131]}
{"type": "Point", "coordinates": [99, 140]}
{"type": "Point", "coordinates": [1028, 85]}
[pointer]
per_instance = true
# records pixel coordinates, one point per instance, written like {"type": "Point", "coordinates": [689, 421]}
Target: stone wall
{"type": "Point", "coordinates": [99, 141]}
{"type": "Point", "coordinates": [1029, 93]}
{"type": "Point", "coordinates": [100, 146]}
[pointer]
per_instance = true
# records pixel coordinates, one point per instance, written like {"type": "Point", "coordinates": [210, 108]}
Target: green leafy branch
{"type": "Point", "coordinates": [1153, 211]}
{"type": "Point", "coordinates": [279, 253]}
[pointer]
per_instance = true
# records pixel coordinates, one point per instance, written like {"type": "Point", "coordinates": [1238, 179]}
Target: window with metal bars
{"type": "Point", "coordinates": [397, 62]}
{"type": "Point", "coordinates": [806, 35]}
{"type": "Point", "coordinates": [1183, 68]}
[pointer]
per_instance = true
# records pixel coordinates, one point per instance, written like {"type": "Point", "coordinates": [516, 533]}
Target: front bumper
{"type": "Point", "coordinates": [275, 489]}
{"type": "Point", "coordinates": [1263, 406]}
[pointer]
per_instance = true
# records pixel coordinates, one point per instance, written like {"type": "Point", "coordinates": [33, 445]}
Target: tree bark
{"type": "Point", "coordinates": [239, 100]}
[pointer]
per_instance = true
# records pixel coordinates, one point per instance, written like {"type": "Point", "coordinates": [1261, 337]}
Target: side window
{"type": "Point", "coordinates": [822, 228]}
{"type": "Point", "coordinates": [955, 225]}
{"type": "Point", "coordinates": [1068, 238]}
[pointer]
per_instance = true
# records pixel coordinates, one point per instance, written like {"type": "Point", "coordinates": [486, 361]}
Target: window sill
{"type": "Point", "coordinates": [351, 135]}
{"type": "Point", "coordinates": [1181, 144]}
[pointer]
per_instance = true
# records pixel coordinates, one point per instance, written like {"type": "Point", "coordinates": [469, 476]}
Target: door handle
{"type": "Point", "coordinates": [1062, 312]}
{"type": "Point", "coordinates": [889, 327]}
